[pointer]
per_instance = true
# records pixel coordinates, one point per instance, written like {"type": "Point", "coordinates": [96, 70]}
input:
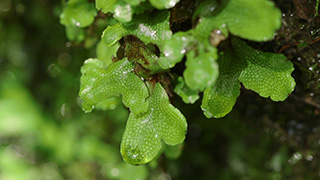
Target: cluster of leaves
{"type": "Point", "coordinates": [140, 49]}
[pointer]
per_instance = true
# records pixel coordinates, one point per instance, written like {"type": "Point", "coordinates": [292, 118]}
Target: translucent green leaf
{"type": "Point", "coordinates": [201, 69]}
{"type": "Point", "coordinates": [99, 82]}
{"type": "Point", "coordinates": [141, 140]}
{"type": "Point", "coordinates": [254, 20]}
{"type": "Point", "coordinates": [123, 12]}
{"type": "Point", "coordinates": [109, 5]}
{"type": "Point", "coordinates": [150, 27]}
{"type": "Point", "coordinates": [163, 4]}
{"type": "Point", "coordinates": [187, 95]}
{"type": "Point", "coordinates": [105, 53]}
{"type": "Point", "coordinates": [105, 5]}
{"type": "Point", "coordinates": [265, 73]}
{"type": "Point", "coordinates": [113, 34]}
{"type": "Point", "coordinates": [175, 48]}
{"type": "Point", "coordinates": [75, 33]}
{"type": "Point", "coordinates": [78, 13]}
{"type": "Point", "coordinates": [182, 43]}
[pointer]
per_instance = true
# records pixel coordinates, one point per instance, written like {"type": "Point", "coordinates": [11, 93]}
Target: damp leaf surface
{"type": "Point", "coordinates": [78, 13]}
{"type": "Point", "coordinates": [75, 33]}
{"type": "Point", "coordinates": [175, 48]}
{"type": "Point", "coordinates": [253, 20]}
{"type": "Point", "coordinates": [268, 74]}
{"type": "Point", "coordinates": [99, 82]}
{"type": "Point", "coordinates": [105, 53]}
{"type": "Point", "coordinates": [188, 95]}
{"type": "Point", "coordinates": [152, 27]}
{"type": "Point", "coordinates": [112, 34]}
{"type": "Point", "coordinates": [105, 5]}
{"type": "Point", "coordinates": [142, 139]}
{"type": "Point", "coordinates": [201, 69]}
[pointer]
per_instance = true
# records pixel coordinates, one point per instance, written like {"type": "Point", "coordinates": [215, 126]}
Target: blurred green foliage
{"type": "Point", "coordinates": [45, 135]}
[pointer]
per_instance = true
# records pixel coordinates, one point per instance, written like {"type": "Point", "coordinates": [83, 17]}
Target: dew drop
{"type": "Point", "coordinates": [147, 30]}
{"type": "Point", "coordinates": [171, 3]}
{"type": "Point", "coordinates": [295, 158]}
{"type": "Point", "coordinates": [297, 155]}
{"type": "Point", "coordinates": [309, 157]}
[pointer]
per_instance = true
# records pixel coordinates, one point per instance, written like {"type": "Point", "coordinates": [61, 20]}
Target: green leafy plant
{"type": "Point", "coordinates": [139, 49]}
